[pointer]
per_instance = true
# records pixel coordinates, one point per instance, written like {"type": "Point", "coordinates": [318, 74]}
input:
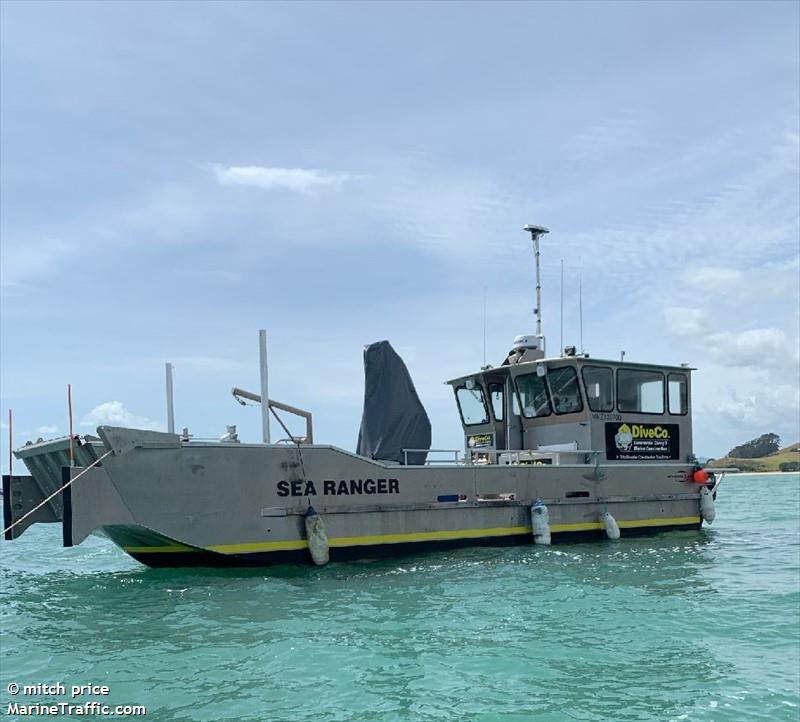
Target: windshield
{"type": "Point", "coordinates": [472, 405]}
{"type": "Point", "coordinates": [564, 390]}
{"type": "Point", "coordinates": [532, 395]}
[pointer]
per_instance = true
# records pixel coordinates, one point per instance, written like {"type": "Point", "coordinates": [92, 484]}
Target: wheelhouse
{"type": "Point", "coordinates": [535, 407]}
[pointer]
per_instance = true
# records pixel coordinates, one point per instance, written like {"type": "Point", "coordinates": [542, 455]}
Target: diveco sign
{"type": "Point", "coordinates": [626, 440]}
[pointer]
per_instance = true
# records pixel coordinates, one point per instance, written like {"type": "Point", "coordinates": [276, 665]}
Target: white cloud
{"type": "Point", "coordinates": [758, 347]}
{"type": "Point", "coordinates": [301, 180]}
{"type": "Point", "coordinates": [689, 322]}
{"type": "Point", "coordinates": [32, 259]}
{"type": "Point", "coordinates": [47, 429]}
{"type": "Point", "coordinates": [456, 217]}
{"type": "Point", "coordinates": [170, 213]}
{"type": "Point", "coordinates": [732, 405]}
{"type": "Point", "coordinates": [712, 279]}
{"type": "Point", "coordinates": [113, 413]}
{"type": "Point", "coordinates": [599, 140]}
{"type": "Point", "coordinates": [746, 220]}
{"type": "Point", "coordinates": [760, 407]}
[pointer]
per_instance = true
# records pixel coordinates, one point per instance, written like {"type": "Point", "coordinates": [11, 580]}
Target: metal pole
{"type": "Point", "coordinates": [535, 232]}
{"type": "Point", "coordinates": [538, 287]}
{"type": "Point", "coordinates": [71, 437]}
{"type": "Point", "coordinates": [484, 327]}
{"type": "Point", "coordinates": [562, 307]}
{"type": "Point", "coordinates": [10, 443]}
{"type": "Point", "coordinates": [262, 343]}
{"type": "Point", "coordinates": [170, 402]}
{"type": "Point", "coordinates": [580, 306]}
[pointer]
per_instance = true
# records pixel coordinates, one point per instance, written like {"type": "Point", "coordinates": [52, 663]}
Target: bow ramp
{"type": "Point", "coordinates": [48, 495]}
{"type": "Point", "coordinates": [45, 460]}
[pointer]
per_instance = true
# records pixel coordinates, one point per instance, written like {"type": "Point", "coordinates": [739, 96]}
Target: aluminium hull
{"type": "Point", "coordinates": [172, 504]}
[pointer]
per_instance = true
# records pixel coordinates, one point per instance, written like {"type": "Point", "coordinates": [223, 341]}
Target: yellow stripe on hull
{"type": "Point", "coordinates": [594, 525]}
{"type": "Point", "coordinates": [354, 541]}
{"type": "Point", "coordinates": [164, 548]}
{"type": "Point", "coordinates": [447, 535]}
{"type": "Point", "coordinates": [259, 547]}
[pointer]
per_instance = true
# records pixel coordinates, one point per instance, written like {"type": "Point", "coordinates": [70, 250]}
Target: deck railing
{"type": "Point", "coordinates": [488, 456]}
{"type": "Point", "coordinates": [431, 462]}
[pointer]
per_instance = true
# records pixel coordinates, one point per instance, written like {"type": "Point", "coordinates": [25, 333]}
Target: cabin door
{"type": "Point", "coordinates": [497, 393]}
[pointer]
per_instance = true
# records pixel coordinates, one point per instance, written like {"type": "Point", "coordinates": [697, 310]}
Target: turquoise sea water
{"type": "Point", "coordinates": [679, 626]}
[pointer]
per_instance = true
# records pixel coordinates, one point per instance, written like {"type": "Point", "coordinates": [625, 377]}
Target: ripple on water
{"type": "Point", "coordinates": [679, 626]}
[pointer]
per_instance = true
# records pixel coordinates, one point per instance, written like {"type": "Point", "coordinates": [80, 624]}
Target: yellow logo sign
{"type": "Point", "coordinates": [626, 434]}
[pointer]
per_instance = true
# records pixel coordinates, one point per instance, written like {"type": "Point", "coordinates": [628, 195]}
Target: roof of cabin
{"type": "Point", "coordinates": [577, 360]}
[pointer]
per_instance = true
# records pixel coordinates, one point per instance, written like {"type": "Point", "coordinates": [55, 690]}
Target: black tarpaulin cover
{"type": "Point", "coordinates": [394, 418]}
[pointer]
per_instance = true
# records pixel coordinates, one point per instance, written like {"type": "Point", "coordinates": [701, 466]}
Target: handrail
{"type": "Point", "coordinates": [493, 452]}
{"type": "Point", "coordinates": [455, 453]}
{"type": "Point", "coordinates": [532, 454]}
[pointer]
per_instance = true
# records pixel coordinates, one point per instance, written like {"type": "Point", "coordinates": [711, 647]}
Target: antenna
{"type": "Point", "coordinates": [580, 306]}
{"type": "Point", "coordinates": [484, 326]}
{"type": "Point", "coordinates": [536, 232]}
{"type": "Point", "coordinates": [562, 307]}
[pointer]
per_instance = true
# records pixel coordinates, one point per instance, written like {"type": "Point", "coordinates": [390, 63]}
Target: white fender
{"type": "Point", "coordinates": [612, 528]}
{"type": "Point", "coordinates": [317, 537]}
{"type": "Point", "coordinates": [540, 523]}
{"type": "Point", "coordinates": [707, 510]}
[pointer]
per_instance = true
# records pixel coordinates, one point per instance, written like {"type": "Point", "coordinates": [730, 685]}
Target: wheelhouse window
{"type": "Point", "coordinates": [640, 391]}
{"type": "Point", "coordinates": [532, 395]}
{"type": "Point", "coordinates": [564, 390]}
{"type": "Point", "coordinates": [678, 394]}
{"type": "Point", "coordinates": [472, 405]}
{"type": "Point", "coordinates": [599, 384]}
{"type": "Point", "coordinates": [497, 396]}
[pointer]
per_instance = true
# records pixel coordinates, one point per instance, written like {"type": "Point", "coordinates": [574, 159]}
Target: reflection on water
{"type": "Point", "coordinates": [649, 628]}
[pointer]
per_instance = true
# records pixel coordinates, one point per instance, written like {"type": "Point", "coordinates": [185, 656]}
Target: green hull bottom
{"type": "Point", "coordinates": [158, 551]}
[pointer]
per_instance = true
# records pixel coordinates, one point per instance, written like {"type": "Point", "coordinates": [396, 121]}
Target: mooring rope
{"type": "Point", "coordinates": [56, 492]}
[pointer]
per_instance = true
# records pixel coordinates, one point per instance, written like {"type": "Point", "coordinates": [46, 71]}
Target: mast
{"type": "Point", "coordinates": [170, 400]}
{"type": "Point", "coordinates": [484, 327]}
{"type": "Point", "coordinates": [536, 232]}
{"type": "Point", "coordinates": [262, 358]}
{"type": "Point", "coordinates": [580, 307]}
{"type": "Point", "coordinates": [561, 346]}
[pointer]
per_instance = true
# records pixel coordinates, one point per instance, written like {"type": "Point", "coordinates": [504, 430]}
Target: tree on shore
{"type": "Point", "coordinates": [756, 448]}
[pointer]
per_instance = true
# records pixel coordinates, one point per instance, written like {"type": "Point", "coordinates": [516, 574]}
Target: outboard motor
{"type": "Point", "coordinates": [394, 418]}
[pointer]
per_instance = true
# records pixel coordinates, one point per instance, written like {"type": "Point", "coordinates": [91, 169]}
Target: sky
{"type": "Point", "coordinates": [176, 176]}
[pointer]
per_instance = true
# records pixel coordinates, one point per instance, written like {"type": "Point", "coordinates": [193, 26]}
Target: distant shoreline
{"type": "Point", "coordinates": [755, 473]}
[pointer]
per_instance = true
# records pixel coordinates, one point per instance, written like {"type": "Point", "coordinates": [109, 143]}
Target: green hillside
{"type": "Point", "coordinates": [771, 462]}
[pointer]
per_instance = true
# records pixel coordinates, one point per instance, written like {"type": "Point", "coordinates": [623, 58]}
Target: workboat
{"type": "Point", "coordinates": [555, 448]}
